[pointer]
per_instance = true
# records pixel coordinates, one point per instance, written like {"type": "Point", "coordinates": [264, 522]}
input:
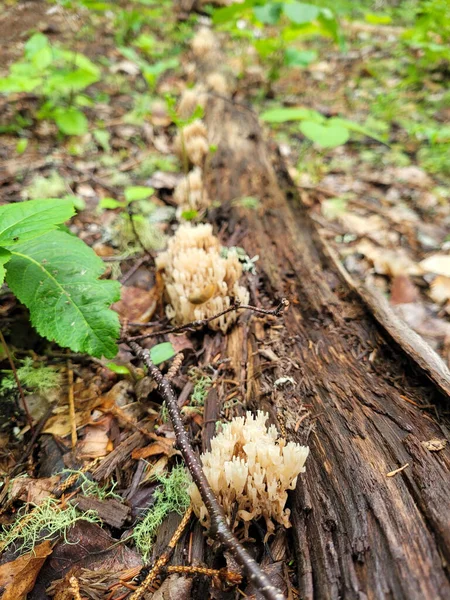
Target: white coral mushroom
{"type": "Point", "coordinates": [192, 142]}
{"type": "Point", "coordinates": [250, 468]}
{"type": "Point", "coordinates": [199, 282]}
{"type": "Point", "coordinates": [190, 193]}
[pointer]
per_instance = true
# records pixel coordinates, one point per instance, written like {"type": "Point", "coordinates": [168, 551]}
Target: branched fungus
{"type": "Point", "coordinates": [192, 142]}
{"type": "Point", "coordinates": [199, 281]}
{"type": "Point", "coordinates": [250, 469]}
{"type": "Point", "coordinates": [190, 193]}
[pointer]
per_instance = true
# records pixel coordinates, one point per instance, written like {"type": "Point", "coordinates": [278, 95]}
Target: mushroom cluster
{"type": "Point", "coordinates": [250, 468]}
{"type": "Point", "coordinates": [199, 281]}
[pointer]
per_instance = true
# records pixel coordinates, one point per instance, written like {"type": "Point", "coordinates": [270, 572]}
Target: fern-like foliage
{"type": "Point", "coordinates": [56, 276]}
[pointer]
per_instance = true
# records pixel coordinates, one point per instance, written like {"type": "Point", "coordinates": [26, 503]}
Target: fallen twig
{"type": "Point", "coordinates": [219, 525]}
{"type": "Point", "coordinates": [275, 312]}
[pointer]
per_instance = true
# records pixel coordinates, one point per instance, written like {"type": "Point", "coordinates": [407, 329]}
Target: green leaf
{"type": "Point", "coordinates": [102, 137]}
{"type": "Point", "coordinates": [300, 13]}
{"type": "Point", "coordinates": [281, 115]}
{"type": "Point", "coordinates": [269, 13]}
{"type": "Point", "coordinates": [42, 58]}
{"type": "Point", "coordinates": [119, 369]}
{"type": "Point", "coordinates": [326, 136]}
{"type": "Point", "coordinates": [377, 19]}
{"type": "Point", "coordinates": [110, 204]}
{"type": "Point", "coordinates": [35, 44]}
{"type": "Point", "coordinates": [162, 352]}
{"type": "Point", "coordinates": [56, 277]}
{"type": "Point", "coordinates": [5, 255]}
{"type": "Point", "coordinates": [138, 192]}
{"type": "Point", "coordinates": [70, 121]}
{"type": "Point", "coordinates": [299, 58]}
{"type": "Point", "coordinates": [23, 221]}
{"type": "Point", "coordinates": [352, 126]}
{"type": "Point", "coordinates": [21, 145]}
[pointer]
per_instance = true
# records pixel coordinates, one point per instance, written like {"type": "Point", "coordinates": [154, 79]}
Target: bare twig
{"type": "Point", "coordinates": [73, 423]}
{"type": "Point", "coordinates": [19, 386]}
{"type": "Point", "coordinates": [283, 305]}
{"type": "Point", "coordinates": [219, 527]}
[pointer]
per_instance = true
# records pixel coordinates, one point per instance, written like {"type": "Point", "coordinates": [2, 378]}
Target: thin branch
{"type": "Point", "coordinates": [19, 386]}
{"type": "Point", "coordinates": [275, 312]}
{"type": "Point", "coordinates": [219, 526]}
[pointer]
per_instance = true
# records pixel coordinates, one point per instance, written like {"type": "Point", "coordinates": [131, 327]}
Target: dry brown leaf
{"type": "Point", "coordinates": [440, 289]}
{"type": "Point", "coordinates": [435, 445]}
{"type": "Point", "coordinates": [403, 290]}
{"type": "Point", "coordinates": [388, 262]}
{"type": "Point", "coordinates": [160, 447]}
{"type": "Point", "coordinates": [136, 304]}
{"type": "Point", "coordinates": [439, 264]}
{"type": "Point", "coordinates": [96, 441]}
{"type": "Point", "coordinates": [33, 490]}
{"type": "Point", "coordinates": [17, 578]}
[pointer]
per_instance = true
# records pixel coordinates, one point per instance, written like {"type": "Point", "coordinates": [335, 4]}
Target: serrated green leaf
{"type": "Point", "coordinates": [5, 255]}
{"type": "Point", "coordinates": [326, 136]}
{"type": "Point", "coordinates": [23, 221]}
{"type": "Point", "coordinates": [162, 352]}
{"type": "Point", "coordinates": [56, 277]}
{"type": "Point", "coordinates": [70, 121]}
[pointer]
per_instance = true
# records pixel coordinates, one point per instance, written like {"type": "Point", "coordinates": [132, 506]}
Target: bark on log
{"type": "Point", "coordinates": [358, 533]}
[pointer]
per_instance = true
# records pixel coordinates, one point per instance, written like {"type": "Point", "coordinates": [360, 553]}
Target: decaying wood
{"type": "Point", "coordinates": [356, 397]}
{"type": "Point", "coordinates": [111, 511]}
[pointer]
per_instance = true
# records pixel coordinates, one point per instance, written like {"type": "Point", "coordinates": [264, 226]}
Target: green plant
{"type": "Point", "coordinates": [45, 522]}
{"type": "Point", "coordinates": [56, 276]}
{"type": "Point", "coordinates": [296, 20]}
{"type": "Point", "coordinates": [57, 77]}
{"type": "Point", "coordinates": [326, 133]}
{"type": "Point", "coordinates": [429, 38]}
{"type": "Point", "coordinates": [171, 496]}
{"type": "Point", "coordinates": [41, 379]}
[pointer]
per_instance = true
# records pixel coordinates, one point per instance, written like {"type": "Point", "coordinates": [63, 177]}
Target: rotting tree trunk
{"type": "Point", "coordinates": [356, 398]}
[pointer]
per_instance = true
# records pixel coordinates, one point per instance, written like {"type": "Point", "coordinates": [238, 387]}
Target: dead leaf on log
{"type": "Point", "coordinates": [17, 577]}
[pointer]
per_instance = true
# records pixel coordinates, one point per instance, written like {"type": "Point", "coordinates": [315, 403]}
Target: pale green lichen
{"type": "Point", "coordinates": [45, 522]}
{"type": "Point", "coordinates": [91, 488]}
{"type": "Point", "coordinates": [171, 496]}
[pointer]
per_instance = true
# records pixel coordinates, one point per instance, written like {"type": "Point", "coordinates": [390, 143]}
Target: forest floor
{"type": "Point", "coordinates": [383, 205]}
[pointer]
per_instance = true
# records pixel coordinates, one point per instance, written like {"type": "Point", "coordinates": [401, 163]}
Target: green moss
{"type": "Point", "coordinates": [40, 379]}
{"type": "Point", "coordinates": [172, 496]}
{"type": "Point", "coordinates": [202, 383]}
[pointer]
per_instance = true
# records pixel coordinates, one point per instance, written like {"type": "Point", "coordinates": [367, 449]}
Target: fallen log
{"type": "Point", "coordinates": [360, 529]}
